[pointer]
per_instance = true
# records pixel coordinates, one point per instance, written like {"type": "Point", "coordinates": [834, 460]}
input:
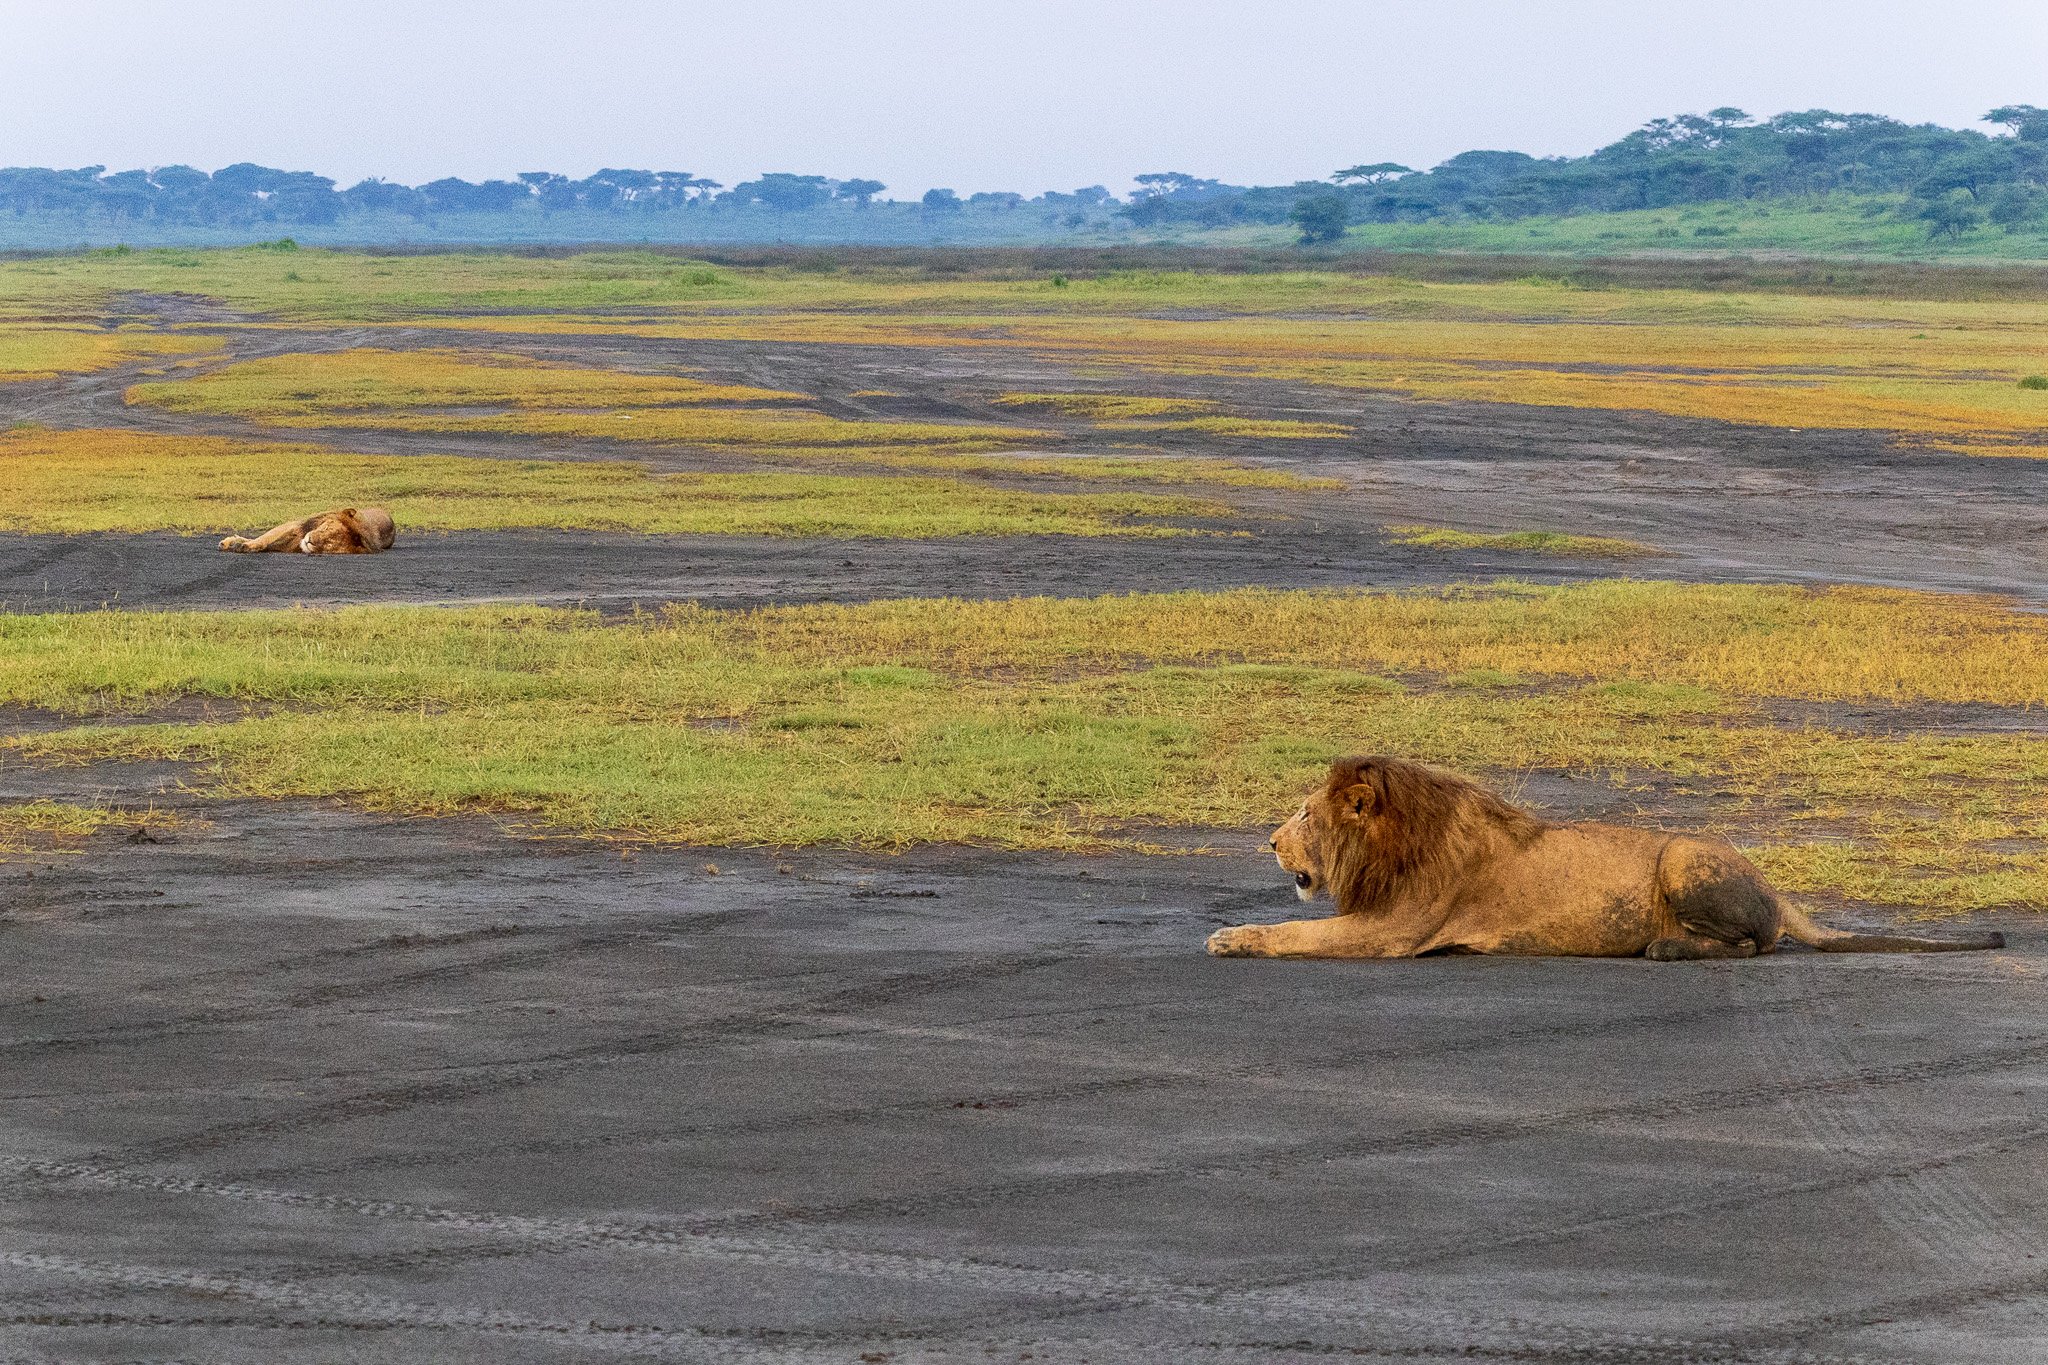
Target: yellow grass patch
{"type": "Point", "coordinates": [82, 481]}
{"type": "Point", "coordinates": [1100, 407]}
{"type": "Point", "coordinates": [322, 385]}
{"type": "Point", "coordinates": [459, 392]}
{"type": "Point", "coordinates": [1247, 428]}
{"type": "Point", "coordinates": [1937, 372]}
{"type": "Point", "coordinates": [36, 351]}
{"type": "Point", "coordinates": [429, 390]}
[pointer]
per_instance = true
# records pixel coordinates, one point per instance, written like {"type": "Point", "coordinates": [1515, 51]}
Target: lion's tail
{"type": "Point", "coordinates": [1799, 926]}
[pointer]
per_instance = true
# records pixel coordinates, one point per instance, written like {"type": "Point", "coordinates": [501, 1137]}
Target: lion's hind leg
{"type": "Point", "coordinates": [1715, 897]}
{"type": "Point", "coordinates": [278, 539]}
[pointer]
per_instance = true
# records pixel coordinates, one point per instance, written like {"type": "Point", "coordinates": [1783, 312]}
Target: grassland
{"type": "Point", "coordinates": [1937, 375]}
{"type": "Point", "coordinates": [1938, 372]}
{"type": "Point", "coordinates": [75, 482]}
{"type": "Point", "coordinates": [328, 387]}
{"type": "Point", "coordinates": [471, 392]}
{"type": "Point", "coordinates": [437, 390]}
{"type": "Point", "coordinates": [1880, 226]}
{"type": "Point", "coordinates": [1057, 724]}
{"type": "Point", "coordinates": [1076, 724]}
{"type": "Point", "coordinates": [1836, 227]}
{"type": "Point", "coordinates": [43, 351]}
{"type": "Point", "coordinates": [1949, 384]}
{"type": "Point", "coordinates": [1536, 542]}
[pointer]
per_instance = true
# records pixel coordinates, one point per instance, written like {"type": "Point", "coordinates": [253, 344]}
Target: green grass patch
{"type": "Point", "coordinates": [1529, 542]}
{"type": "Point", "coordinates": [1078, 724]}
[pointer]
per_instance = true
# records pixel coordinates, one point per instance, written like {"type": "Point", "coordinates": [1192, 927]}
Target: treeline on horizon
{"type": "Point", "coordinates": [1954, 180]}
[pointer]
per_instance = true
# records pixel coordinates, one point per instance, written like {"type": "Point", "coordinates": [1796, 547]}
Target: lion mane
{"type": "Point", "coordinates": [1418, 828]}
{"type": "Point", "coordinates": [1418, 861]}
{"type": "Point", "coordinates": [343, 531]}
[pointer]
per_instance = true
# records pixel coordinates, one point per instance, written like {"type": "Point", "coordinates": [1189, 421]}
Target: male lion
{"type": "Point", "coordinates": [1418, 861]}
{"type": "Point", "coordinates": [344, 531]}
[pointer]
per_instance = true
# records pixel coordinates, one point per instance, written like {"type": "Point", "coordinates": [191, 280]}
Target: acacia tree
{"type": "Point", "coordinates": [861, 192]}
{"type": "Point", "coordinates": [2028, 124]}
{"type": "Point", "coordinates": [1378, 173]}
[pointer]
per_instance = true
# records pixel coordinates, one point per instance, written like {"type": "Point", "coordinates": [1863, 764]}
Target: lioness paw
{"type": "Point", "coordinates": [234, 543]}
{"type": "Point", "coordinates": [1240, 940]}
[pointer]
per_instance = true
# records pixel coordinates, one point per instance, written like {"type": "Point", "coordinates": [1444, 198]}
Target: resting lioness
{"type": "Point", "coordinates": [1420, 862]}
{"type": "Point", "coordinates": [344, 531]}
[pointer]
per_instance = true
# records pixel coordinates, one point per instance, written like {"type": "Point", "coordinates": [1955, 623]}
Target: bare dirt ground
{"type": "Point", "coordinates": [66, 573]}
{"type": "Point", "coordinates": [310, 1085]}
{"type": "Point", "coordinates": [1725, 502]}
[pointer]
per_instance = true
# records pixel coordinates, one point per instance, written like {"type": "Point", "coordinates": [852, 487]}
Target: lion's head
{"type": "Point", "coordinates": [1381, 824]}
{"type": "Point", "coordinates": [348, 531]}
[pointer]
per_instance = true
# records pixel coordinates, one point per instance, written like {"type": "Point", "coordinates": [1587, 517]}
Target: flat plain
{"type": "Point", "coordinates": [730, 883]}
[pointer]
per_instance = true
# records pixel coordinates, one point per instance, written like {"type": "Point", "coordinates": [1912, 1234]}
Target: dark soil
{"type": "Point", "coordinates": [69, 573]}
{"type": "Point", "coordinates": [309, 1085]}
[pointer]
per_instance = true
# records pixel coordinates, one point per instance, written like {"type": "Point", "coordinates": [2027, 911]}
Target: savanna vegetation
{"type": "Point", "coordinates": [1938, 372]}
{"type": "Point", "coordinates": [1159, 402]}
{"type": "Point", "coordinates": [1944, 190]}
{"type": "Point", "coordinates": [1089, 723]}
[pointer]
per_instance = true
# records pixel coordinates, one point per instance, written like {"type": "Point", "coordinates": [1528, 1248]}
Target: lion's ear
{"type": "Point", "coordinates": [1356, 802]}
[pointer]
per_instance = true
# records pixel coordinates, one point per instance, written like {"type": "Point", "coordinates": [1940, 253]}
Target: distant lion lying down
{"type": "Point", "coordinates": [344, 531]}
{"type": "Point", "coordinates": [1419, 861]}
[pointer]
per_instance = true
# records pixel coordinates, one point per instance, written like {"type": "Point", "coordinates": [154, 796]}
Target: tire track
{"type": "Point", "coordinates": [495, 1078]}
{"type": "Point", "coordinates": [1411, 1327]}
{"type": "Point", "coordinates": [1431, 1138]}
{"type": "Point", "coordinates": [2028, 1286]}
{"type": "Point", "coordinates": [1279, 1298]}
{"type": "Point", "coordinates": [1961, 1228]}
{"type": "Point", "coordinates": [358, 1310]}
{"type": "Point", "coordinates": [1150, 1071]}
{"type": "Point", "coordinates": [200, 1020]}
{"type": "Point", "coordinates": [1468, 1248]}
{"type": "Point", "coordinates": [1295, 1308]}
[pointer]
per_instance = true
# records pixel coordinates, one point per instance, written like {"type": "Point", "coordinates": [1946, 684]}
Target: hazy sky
{"type": "Point", "coordinates": [971, 94]}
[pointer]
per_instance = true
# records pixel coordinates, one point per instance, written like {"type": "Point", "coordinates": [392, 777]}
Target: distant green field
{"type": "Point", "coordinates": [1834, 225]}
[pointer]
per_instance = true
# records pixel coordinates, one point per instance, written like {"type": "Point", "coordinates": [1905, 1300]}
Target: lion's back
{"type": "Point", "coordinates": [1587, 889]}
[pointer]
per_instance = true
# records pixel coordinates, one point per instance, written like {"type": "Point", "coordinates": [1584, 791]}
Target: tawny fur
{"type": "Point", "coordinates": [1419, 861]}
{"type": "Point", "coordinates": [343, 531]}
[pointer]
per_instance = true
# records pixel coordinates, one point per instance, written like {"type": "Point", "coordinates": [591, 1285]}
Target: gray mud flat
{"type": "Point", "coordinates": [75, 573]}
{"type": "Point", "coordinates": [315, 1086]}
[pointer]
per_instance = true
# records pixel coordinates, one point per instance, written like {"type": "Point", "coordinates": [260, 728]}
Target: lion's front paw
{"type": "Point", "coordinates": [234, 543]}
{"type": "Point", "coordinates": [1240, 940]}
